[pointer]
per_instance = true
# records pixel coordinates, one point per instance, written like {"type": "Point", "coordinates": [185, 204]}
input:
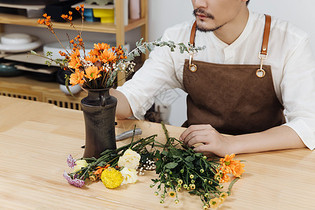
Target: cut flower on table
{"type": "Point", "coordinates": [177, 166]}
{"type": "Point", "coordinates": [130, 159]}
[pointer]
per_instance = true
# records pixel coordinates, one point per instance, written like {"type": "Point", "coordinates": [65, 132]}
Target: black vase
{"type": "Point", "coordinates": [99, 115]}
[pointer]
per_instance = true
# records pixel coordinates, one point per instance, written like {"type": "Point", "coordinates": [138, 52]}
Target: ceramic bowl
{"type": "Point", "coordinates": [74, 89]}
{"type": "Point", "coordinates": [9, 70]}
{"type": "Point", "coordinates": [16, 43]}
{"type": "Point", "coordinates": [15, 39]}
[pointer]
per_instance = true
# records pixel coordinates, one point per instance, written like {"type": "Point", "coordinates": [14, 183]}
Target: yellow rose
{"type": "Point", "coordinates": [79, 164]}
{"type": "Point", "coordinates": [130, 159]}
{"type": "Point", "coordinates": [130, 175]}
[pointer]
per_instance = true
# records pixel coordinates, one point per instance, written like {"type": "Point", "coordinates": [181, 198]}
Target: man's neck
{"type": "Point", "coordinates": [233, 29]}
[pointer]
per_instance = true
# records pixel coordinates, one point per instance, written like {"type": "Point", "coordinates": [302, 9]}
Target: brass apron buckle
{"type": "Point", "coordinates": [192, 67]}
{"type": "Point", "coordinates": [261, 72]}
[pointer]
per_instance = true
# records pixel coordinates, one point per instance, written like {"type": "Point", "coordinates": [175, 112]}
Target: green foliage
{"type": "Point", "coordinates": [180, 168]}
{"type": "Point", "coordinates": [177, 166]}
{"type": "Point", "coordinates": [141, 47]}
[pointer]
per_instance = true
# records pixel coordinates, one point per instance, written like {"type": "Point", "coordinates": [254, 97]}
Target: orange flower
{"type": "Point", "coordinates": [92, 59]}
{"type": "Point", "coordinates": [222, 176]}
{"type": "Point", "coordinates": [227, 162]}
{"type": "Point", "coordinates": [107, 56]}
{"type": "Point", "coordinates": [99, 170]}
{"type": "Point", "coordinates": [76, 78]}
{"type": "Point", "coordinates": [229, 165]}
{"type": "Point", "coordinates": [62, 53]}
{"type": "Point", "coordinates": [76, 53]}
{"type": "Point", "coordinates": [75, 62]}
{"type": "Point", "coordinates": [92, 72]}
{"type": "Point", "coordinates": [94, 52]}
{"type": "Point", "coordinates": [238, 169]}
{"type": "Point", "coordinates": [101, 46]}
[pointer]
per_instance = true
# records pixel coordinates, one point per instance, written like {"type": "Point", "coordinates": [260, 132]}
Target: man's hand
{"type": "Point", "coordinates": [208, 140]}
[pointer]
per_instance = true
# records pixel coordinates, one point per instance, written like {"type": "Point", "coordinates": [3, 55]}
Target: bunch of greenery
{"type": "Point", "coordinates": [178, 168]}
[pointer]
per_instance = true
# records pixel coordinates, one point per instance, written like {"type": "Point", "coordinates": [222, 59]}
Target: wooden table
{"type": "Point", "coordinates": [36, 138]}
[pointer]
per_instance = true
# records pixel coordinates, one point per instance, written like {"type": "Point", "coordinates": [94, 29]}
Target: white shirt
{"type": "Point", "coordinates": [289, 54]}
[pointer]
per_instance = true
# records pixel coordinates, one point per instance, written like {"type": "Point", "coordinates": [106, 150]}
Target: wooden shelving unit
{"type": "Point", "coordinates": [25, 88]}
{"type": "Point", "coordinates": [13, 85]}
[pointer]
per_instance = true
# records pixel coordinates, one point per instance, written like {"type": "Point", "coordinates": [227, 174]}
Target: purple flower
{"type": "Point", "coordinates": [71, 161]}
{"type": "Point", "coordinates": [75, 182]}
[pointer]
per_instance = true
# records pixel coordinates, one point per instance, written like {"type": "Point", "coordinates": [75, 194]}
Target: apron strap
{"type": "Point", "coordinates": [193, 34]}
{"type": "Point", "coordinates": [264, 46]}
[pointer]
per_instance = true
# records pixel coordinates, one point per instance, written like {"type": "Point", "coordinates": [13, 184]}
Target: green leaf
{"type": "Point", "coordinates": [165, 153]}
{"type": "Point", "coordinates": [199, 155]}
{"type": "Point", "coordinates": [190, 159]}
{"type": "Point", "coordinates": [171, 165]}
{"type": "Point", "coordinates": [189, 165]}
{"type": "Point", "coordinates": [67, 85]}
{"type": "Point", "coordinates": [158, 166]}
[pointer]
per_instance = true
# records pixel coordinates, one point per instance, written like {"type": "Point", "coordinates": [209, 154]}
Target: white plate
{"type": "Point", "coordinates": [21, 47]}
{"type": "Point", "coordinates": [15, 38]}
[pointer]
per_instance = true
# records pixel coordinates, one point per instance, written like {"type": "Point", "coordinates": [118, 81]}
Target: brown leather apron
{"type": "Point", "coordinates": [234, 99]}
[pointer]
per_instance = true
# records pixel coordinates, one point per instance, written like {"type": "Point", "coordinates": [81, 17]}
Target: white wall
{"type": "Point", "coordinates": [165, 13]}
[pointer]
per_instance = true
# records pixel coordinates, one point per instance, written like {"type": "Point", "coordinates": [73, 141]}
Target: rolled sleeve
{"type": "Point", "coordinates": [156, 76]}
{"type": "Point", "coordinates": [298, 92]}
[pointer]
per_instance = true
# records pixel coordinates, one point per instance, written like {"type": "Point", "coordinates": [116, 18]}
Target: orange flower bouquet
{"type": "Point", "coordinates": [96, 71]}
{"type": "Point", "coordinates": [98, 68]}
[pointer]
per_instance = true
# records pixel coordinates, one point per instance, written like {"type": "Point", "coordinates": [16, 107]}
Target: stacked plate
{"type": "Point", "coordinates": [18, 42]}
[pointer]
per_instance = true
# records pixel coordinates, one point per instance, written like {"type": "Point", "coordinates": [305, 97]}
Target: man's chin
{"type": "Point", "coordinates": [203, 27]}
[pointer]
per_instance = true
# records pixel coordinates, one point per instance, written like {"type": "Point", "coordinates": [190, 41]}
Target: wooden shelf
{"type": "Point", "coordinates": [49, 92]}
{"type": "Point", "coordinates": [87, 26]}
{"type": "Point", "coordinates": [25, 88]}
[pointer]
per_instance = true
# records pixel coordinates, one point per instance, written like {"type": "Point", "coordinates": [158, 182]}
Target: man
{"type": "Point", "coordinates": [252, 71]}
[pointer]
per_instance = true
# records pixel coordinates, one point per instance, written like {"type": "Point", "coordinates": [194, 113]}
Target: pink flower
{"type": "Point", "coordinates": [71, 161]}
{"type": "Point", "coordinates": [75, 182]}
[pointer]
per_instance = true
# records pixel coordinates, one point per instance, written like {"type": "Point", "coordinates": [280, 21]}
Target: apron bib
{"type": "Point", "coordinates": [234, 99]}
